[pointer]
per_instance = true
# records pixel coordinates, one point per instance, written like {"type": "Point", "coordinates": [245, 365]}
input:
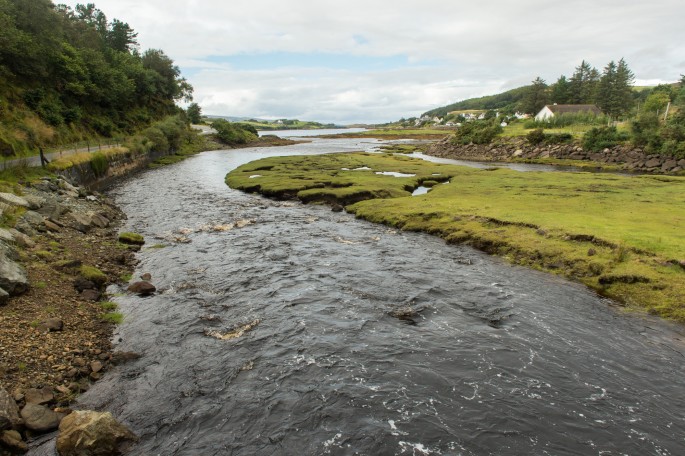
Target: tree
{"type": "Point", "coordinates": [194, 113]}
{"type": "Point", "coordinates": [121, 37]}
{"type": "Point", "coordinates": [536, 98]}
{"type": "Point", "coordinates": [560, 91]}
{"type": "Point", "coordinates": [614, 94]}
{"type": "Point", "coordinates": [583, 84]}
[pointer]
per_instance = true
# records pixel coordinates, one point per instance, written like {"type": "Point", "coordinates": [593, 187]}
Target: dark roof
{"type": "Point", "coordinates": [574, 108]}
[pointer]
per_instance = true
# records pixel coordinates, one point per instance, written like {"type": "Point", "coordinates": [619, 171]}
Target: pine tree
{"type": "Point", "coordinates": [583, 84]}
{"type": "Point", "coordinates": [624, 87]}
{"type": "Point", "coordinates": [560, 91]}
{"type": "Point", "coordinates": [536, 98]}
{"type": "Point", "coordinates": [614, 94]}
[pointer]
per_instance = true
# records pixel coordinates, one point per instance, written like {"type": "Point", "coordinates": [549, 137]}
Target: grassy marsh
{"type": "Point", "coordinates": [619, 235]}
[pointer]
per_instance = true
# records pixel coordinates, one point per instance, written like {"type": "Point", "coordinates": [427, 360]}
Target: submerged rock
{"type": "Point", "coordinates": [93, 433]}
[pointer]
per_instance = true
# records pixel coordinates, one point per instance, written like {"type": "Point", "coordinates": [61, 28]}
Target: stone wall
{"type": "Point", "coordinates": [120, 166]}
{"type": "Point", "coordinates": [625, 156]}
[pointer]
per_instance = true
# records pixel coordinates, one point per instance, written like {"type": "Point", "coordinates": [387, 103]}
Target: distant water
{"type": "Point", "coordinates": [305, 133]}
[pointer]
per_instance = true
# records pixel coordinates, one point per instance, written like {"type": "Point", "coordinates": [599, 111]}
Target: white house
{"type": "Point", "coordinates": [550, 111]}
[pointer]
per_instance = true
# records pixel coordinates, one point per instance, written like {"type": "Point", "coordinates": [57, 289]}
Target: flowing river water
{"type": "Point", "coordinates": [280, 328]}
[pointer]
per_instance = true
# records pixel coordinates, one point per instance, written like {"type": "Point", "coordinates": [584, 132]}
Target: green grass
{"type": "Point", "coordinates": [517, 129]}
{"type": "Point", "coordinates": [113, 317]}
{"type": "Point", "coordinates": [550, 221]}
{"type": "Point", "coordinates": [93, 274]}
{"type": "Point", "coordinates": [326, 180]}
{"type": "Point", "coordinates": [108, 305]}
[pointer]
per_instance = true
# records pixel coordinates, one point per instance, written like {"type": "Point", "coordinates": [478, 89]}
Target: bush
{"type": "Point", "coordinates": [536, 136]}
{"type": "Point", "coordinates": [248, 127]}
{"type": "Point", "coordinates": [601, 138]}
{"type": "Point", "coordinates": [157, 139]}
{"type": "Point", "coordinates": [230, 133]}
{"type": "Point", "coordinates": [478, 132]}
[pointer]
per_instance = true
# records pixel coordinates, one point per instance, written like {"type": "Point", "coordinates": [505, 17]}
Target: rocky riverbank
{"type": "Point", "coordinates": [623, 157]}
{"type": "Point", "coordinates": [56, 323]}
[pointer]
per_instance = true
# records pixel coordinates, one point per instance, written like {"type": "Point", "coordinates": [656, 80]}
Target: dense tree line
{"type": "Point", "coordinates": [611, 90]}
{"type": "Point", "coordinates": [78, 71]}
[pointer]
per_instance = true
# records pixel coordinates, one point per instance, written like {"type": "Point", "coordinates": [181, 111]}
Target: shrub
{"type": "Point", "coordinates": [601, 138]}
{"type": "Point", "coordinates": [230, 133]}
{"type": "Point", "coordinates": [478, 132]}
{"type": "Point", "coordinates": [157, 139]}
{"type": "Point", "coordinates": [536, 136]}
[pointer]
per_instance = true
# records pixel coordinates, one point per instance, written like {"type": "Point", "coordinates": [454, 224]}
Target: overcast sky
{"type": "Point", "coordinates": [377, 61]}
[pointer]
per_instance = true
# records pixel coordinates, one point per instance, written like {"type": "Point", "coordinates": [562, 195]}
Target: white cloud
{"type": "Point", "coordinates": [479, 47]}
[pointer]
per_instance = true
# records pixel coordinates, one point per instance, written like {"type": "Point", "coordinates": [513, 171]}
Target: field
{"type": "Point", "coordinates": [621, 236]}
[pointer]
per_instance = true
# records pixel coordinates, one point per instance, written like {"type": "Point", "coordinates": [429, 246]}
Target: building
{"type": "Point", "coordinates": [550, 111]}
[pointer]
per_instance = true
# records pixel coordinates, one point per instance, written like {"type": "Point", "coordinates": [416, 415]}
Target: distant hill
{"type": "Point", "coordinates": [505, 101]}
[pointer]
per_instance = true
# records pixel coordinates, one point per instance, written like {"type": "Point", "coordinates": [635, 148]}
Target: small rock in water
{"type": "Point", "coordinates": [147, 276]}
{"type": "Point", "coordinates": [143, 288]}
{"type": "Point", "coordinates": [123, 357]}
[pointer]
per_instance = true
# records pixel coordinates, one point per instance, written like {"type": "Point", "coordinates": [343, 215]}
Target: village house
{"type": "Point", "coordinates": [550, 111]}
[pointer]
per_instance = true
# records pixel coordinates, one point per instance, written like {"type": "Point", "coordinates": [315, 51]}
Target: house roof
{"type": "Point", "coordinates": [573, 108]}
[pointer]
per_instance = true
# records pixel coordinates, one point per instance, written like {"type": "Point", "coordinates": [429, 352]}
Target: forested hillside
{"type": "Point", "coordinates": [505, 101]}
{"type": "Point", "coordinates": [67, 74]}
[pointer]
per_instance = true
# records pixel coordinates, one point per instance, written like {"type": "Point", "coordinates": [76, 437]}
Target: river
{"type": "Point", "coordinates": [287, 329]}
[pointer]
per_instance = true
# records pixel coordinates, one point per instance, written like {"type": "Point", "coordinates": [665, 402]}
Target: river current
{"type": "Point", "coordinates": [284, 329]}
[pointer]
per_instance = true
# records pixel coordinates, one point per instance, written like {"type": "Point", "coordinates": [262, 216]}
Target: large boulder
{"type": "Point", "coordinates": [93, 433]}
{"type": "Point", "coordinates": [9, 412]}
